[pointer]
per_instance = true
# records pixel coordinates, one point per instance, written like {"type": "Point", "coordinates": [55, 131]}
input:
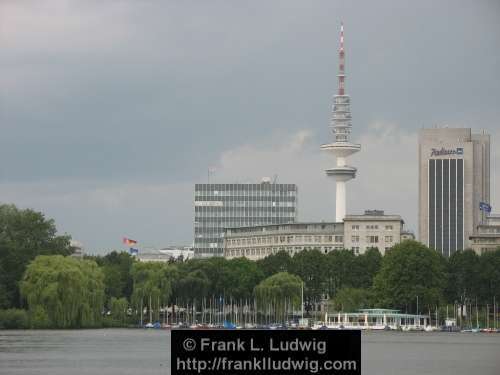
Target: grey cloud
{"type": "Point", "coordinates": [120, 93]}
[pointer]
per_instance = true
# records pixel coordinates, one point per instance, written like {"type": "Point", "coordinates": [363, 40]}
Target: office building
{"type": "Point", "coordinates": [454, 178]}
{"type": "Point", "coordinates": [358, 233]}
{"type": "Point", "coordinates": [220, 206]}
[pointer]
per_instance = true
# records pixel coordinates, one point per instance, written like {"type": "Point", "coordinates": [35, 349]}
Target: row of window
{"type": "Point", "coordinates": [284, 239]}
{"type": "Point", "coordinates": [486, 240]}
{"type": "Point", "coordinates": [372, 227]}
{"type": "Point", "coordinates": [245, 193]}
{"type": "Point", "coordinates": [372, 239]}
{"type": "Point", "coordinates": [256, 219]}
{"type": "Point", "coordinates": [225, 206]}
{"type": "Point", "coordinates": [263, 252]}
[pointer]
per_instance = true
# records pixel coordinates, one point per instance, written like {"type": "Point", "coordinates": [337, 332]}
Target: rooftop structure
{"type": "Point", "coordinates": [341, 148]}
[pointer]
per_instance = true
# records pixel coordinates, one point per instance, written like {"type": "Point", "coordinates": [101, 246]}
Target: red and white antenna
{"type": "Point", "coordinates": [341, 61]}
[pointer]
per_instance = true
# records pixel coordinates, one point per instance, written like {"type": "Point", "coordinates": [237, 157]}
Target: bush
{"type": "Point", "coordinates": [39, 318]}
{"type": "Point", "coordinates": [13, 319]}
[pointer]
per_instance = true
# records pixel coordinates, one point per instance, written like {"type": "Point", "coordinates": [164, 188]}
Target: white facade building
{"type": "Point", "coordinates": [373, 229]}
{"type": "Point", "coordinates": [487, 236]}
{"type": "Point", "coordinates": [357, 233]}
{"type": "Point", "coordinates": [165, 254]}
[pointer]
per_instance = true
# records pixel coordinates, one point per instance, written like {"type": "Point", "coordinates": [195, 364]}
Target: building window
{"type": "Point", "coordinates": [355, 227]}
{"type": "Point", "coordinates": [388, 238]}
{"type": "Point", "coordinates": [372, 239]}
{"type": "Point", "coordinates": [355, 239]}
{"type": "Point", "coordinates": [389, 227]}
{"type": "Point", "coordinates": [372, 227]}
{"type": "Point", "coordinates": [339, 239]}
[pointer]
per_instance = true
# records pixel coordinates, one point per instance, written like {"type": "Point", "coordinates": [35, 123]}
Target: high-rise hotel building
{"type": "Point", "coordinates": [454, 177]}
{"type": "Point", "coordinates": [221, 206]}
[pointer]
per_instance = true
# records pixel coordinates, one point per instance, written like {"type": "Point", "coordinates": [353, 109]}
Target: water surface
{"type": "Point", "coordinates": [135, 351]}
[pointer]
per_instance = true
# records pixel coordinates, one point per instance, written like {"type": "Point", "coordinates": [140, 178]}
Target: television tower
{"type": "Point", "coordinates": [341, 147]}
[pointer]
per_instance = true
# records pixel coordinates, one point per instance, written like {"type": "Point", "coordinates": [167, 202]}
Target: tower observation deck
{"type": "Point", "coordinates": [341, 148]}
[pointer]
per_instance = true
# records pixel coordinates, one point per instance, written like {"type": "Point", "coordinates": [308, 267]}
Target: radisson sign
{"type": "Point", "coordinates": [445, 152]}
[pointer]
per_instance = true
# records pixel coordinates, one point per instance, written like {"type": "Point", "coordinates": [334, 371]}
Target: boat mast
{"type": "Point", "coordinates": [477, 316]}
{"type": "Point", "coordinates": [302, 300]}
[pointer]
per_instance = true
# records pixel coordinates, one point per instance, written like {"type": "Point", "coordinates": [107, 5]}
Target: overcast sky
{"type": "Point", "coordinates": [111, 111]}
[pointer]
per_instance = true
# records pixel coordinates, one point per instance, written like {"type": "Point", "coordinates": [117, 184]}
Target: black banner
{"type": "Point", "coordinates": [276, 352]}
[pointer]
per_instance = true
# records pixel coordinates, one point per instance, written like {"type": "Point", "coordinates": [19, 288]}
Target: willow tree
{"type": "Point", "coordinates": [152, 285]}
{"type": "Point", "coordinates": [64, 292]}
{"type": "Point", "coordinates": [278, 293]}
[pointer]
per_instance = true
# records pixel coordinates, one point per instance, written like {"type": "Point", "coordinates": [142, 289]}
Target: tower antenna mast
{"type": "Point", "coordinates": [341, 148]}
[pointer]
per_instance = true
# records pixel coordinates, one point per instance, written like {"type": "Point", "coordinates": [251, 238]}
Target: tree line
{"type": "Point", "coordinates": [42, 287]}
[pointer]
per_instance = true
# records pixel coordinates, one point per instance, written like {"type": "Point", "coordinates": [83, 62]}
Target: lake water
{"type": "Point", "coordinates": [134, 351]}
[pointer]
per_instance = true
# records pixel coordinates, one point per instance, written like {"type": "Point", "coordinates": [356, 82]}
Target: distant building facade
{"type": "Point", "coordinates": [221, 206]}
{"type": "Point", "coordinates": [357, 233]}
{"type": "Point", "coordinates": [487, 236]}
{"type": "Point", "coordinates": [165, 254]}
{"type": "Point", "coordinates": [78, 250]}
{"type": "Point", "coordinates": [373, 229]}
{"type": "Point", "coordinates": [454, 178]}
{"type": "Point", "coordinates": [257, 242]}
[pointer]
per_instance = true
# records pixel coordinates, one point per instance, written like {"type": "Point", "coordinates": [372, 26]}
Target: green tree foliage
{"type": "Point", "coordinates": [118, 308]}
{"type": "Point", "coordinates": [68, 292]}
{"type": "Point", "coordinates": [341, 271]}
{"type": "Point", "coordinates": [489, 279]}
{"type": "Point", "coordinates": [117, 268]}
{"type": "Point", "coordinates": [194, 286]}
{"type": "Point", "coordinates": [24, 234]}
{"type": "Point", "coordinates": [242, 276]}
{"type": "Point", "coordinates": [352, 299]}
{"type": "Point", "coordinates": [13, 319]}
{"type": "Point", "coordinates": [410, 270]}
{"type": "Point", "coordinates": [152, 284]}
{"type": "Point", "coordinates": [310, 266]}
{"type": "Point", "coordinates": [279, 291]}
{"type": "Point", "coordinates": [463, 276]}
{"type": "Point", "coordinates": [274, 263]}
{"type": "Point", "coordinates": [366, 266]}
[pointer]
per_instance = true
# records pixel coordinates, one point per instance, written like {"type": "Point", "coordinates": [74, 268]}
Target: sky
{"type": "Point", "coordinates": [111, 111]}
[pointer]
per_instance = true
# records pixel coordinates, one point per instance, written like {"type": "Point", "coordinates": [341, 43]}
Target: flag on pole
{"type": "Point", "coordinates": [129, 242]}
{"type": "Point", "coordinates": [133, 251]}
{"type": "Point", "coordinates": [483, 206]}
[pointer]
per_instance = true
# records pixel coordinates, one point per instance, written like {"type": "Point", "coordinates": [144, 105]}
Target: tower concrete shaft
{"type": "Point", "coordinates": [341, 148]}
